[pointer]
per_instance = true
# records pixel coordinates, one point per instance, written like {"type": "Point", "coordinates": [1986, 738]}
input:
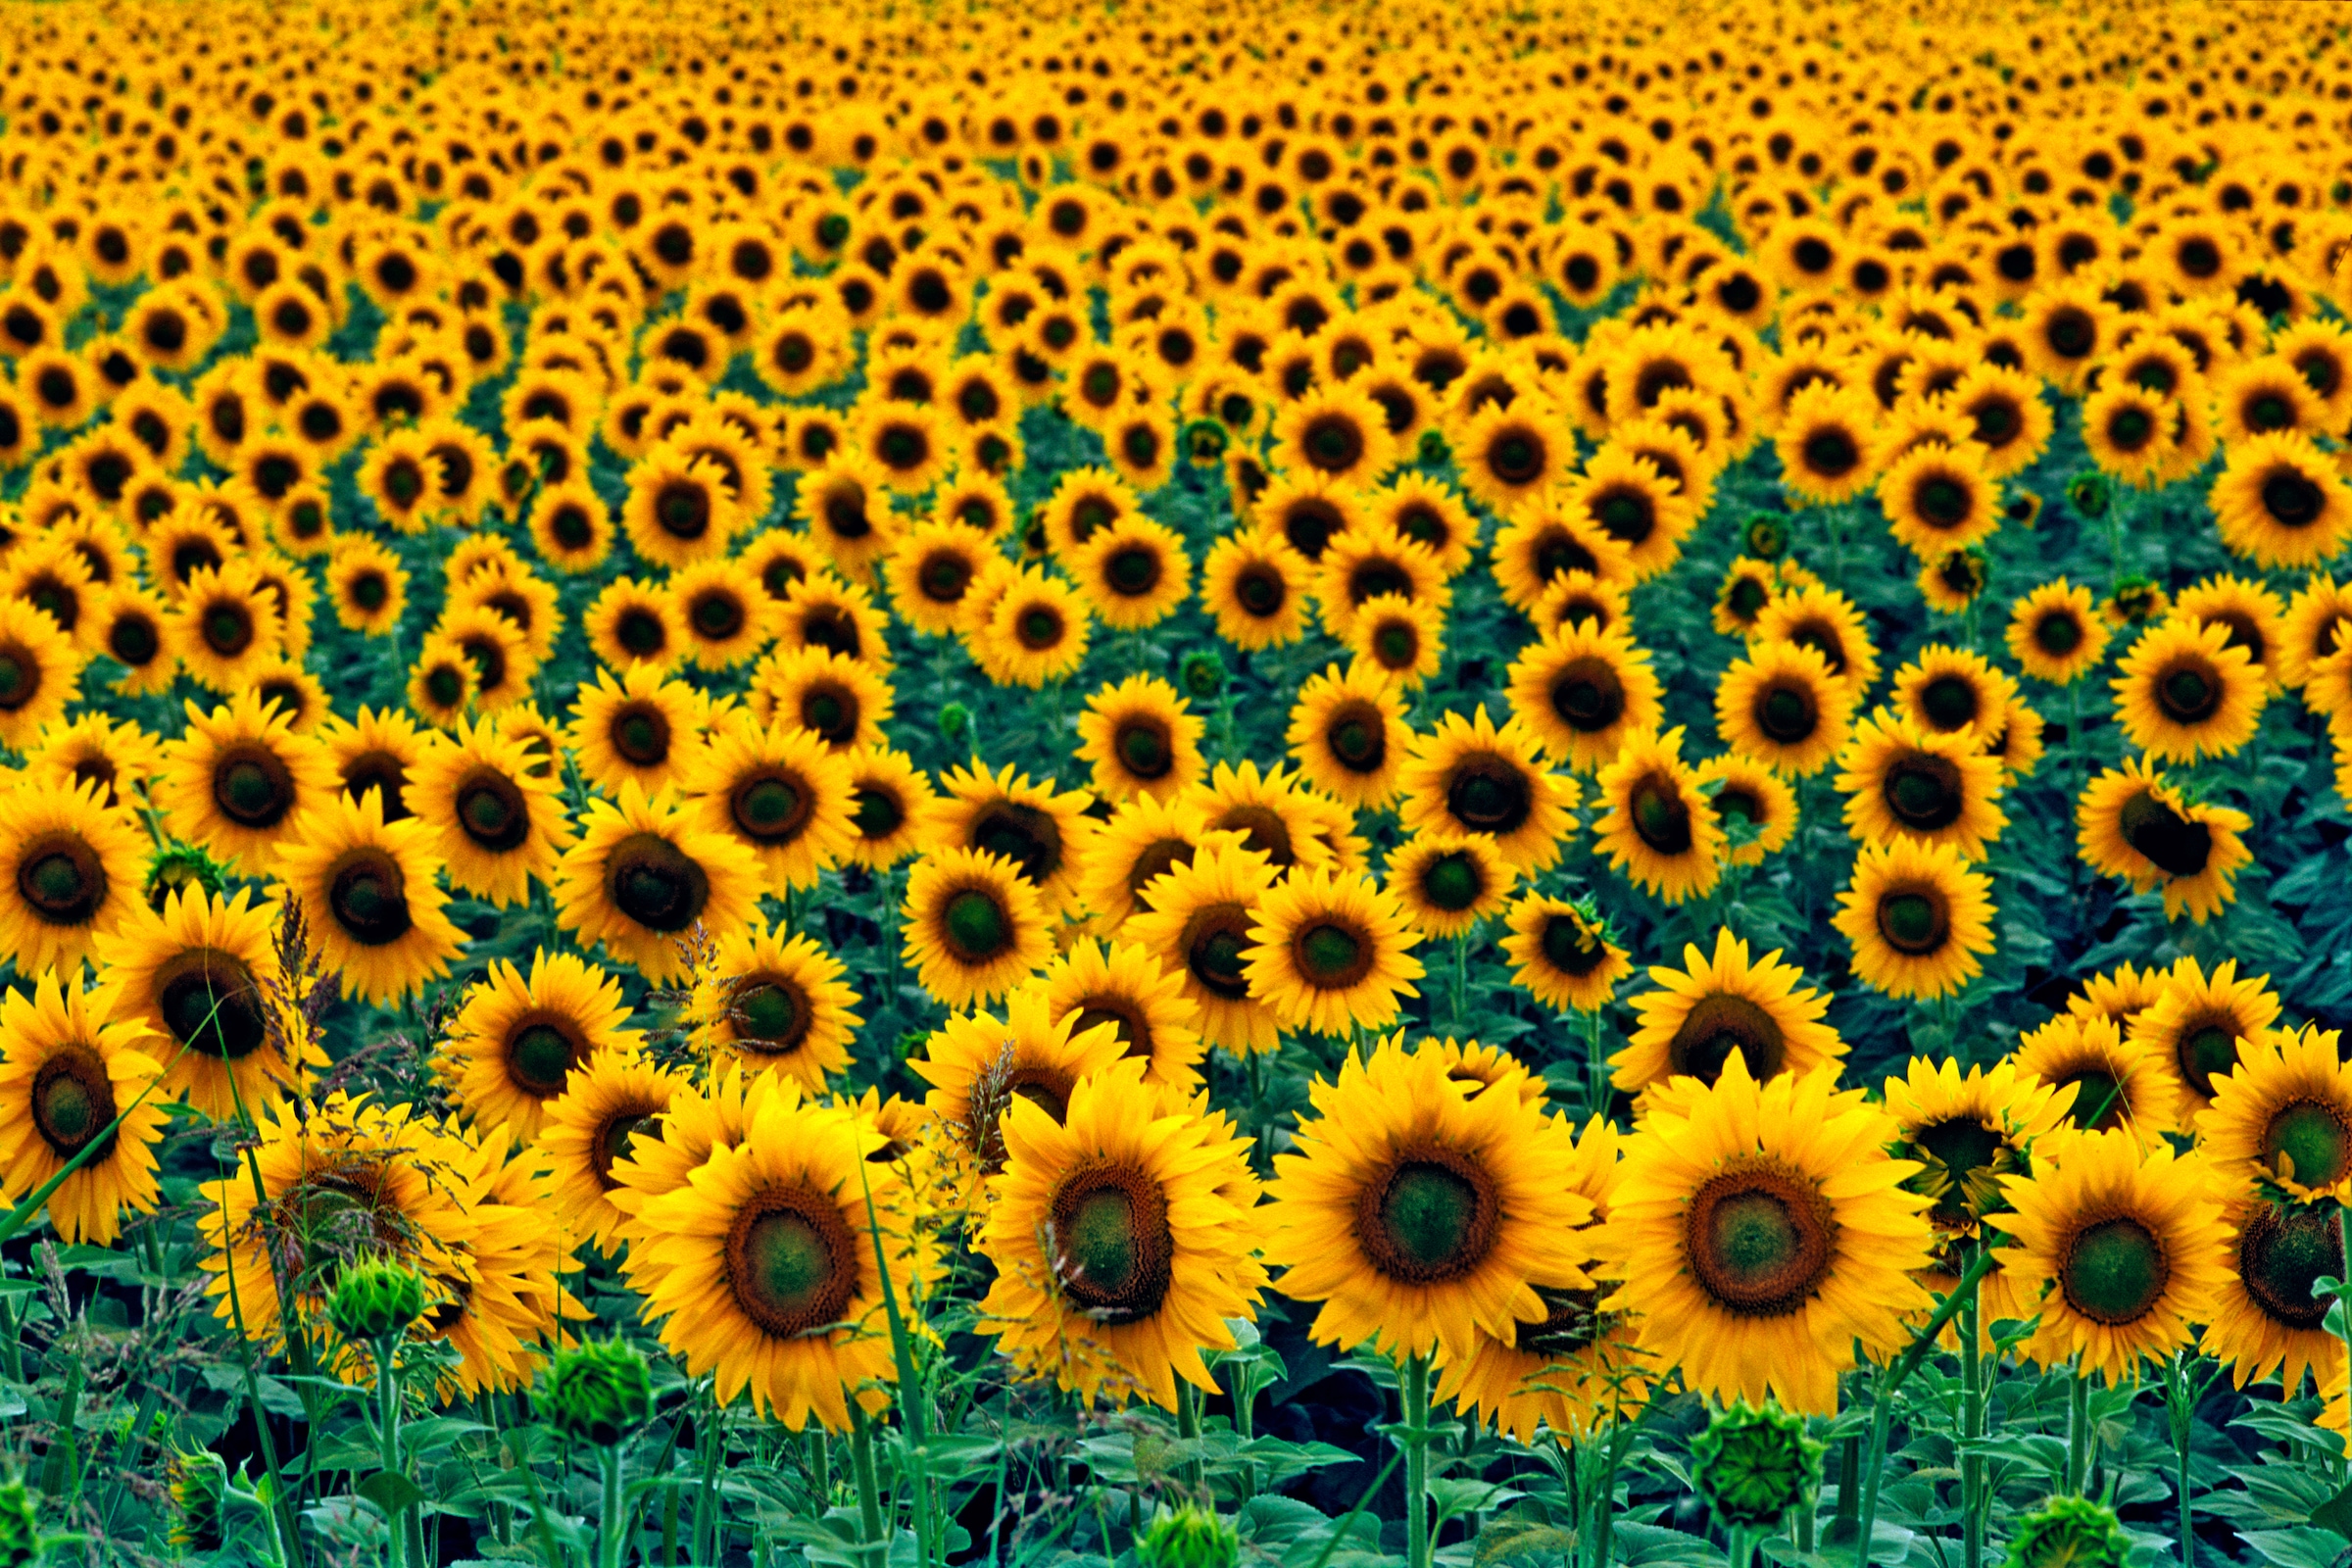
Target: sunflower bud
{"type": "Point", "coordinates": [954, 722]}
{"type": "Point", "coordinates": [199, 1483]}
{"type": "Point", "coordinates": [2073, 1532]}
{"type": "Point", "coordinates": [376, 1298]}
{"type": "Point", "coordinates": [1204, 441]}
{"type": "Point", "coordinates": [599, 1393]}
{"type": "Point", "coordinates": [1767, 535]}
{"type": "Point", "coordinates": [1752, 1466]}
{"type": "Point", "coordinates": [19, 1528]}
{"type": "Point", "coordinates": [1204, 675]}
{"type": "Point", "coordinates": [1192, 1536]}
{"type": "Point", "coordinates": [2087, 494]}
{"type": "Point", "coordinates": [179, 867]}
{"type": "Point", "coordinates": [1434, 448]}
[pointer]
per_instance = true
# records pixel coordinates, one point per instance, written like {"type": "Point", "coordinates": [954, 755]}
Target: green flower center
{"type": "Point", "coordinates": [770, 1012]}
{"type": "Point", "coordinates": [1489, 795]}
{"type": "Point", "coordinates": [1924, 791]}
{"type": "Point", "coordinates": [976, 925]}
{"type": "Point", "coordinates": [791, 1264]}
{"type": "Point", "coordinates": [368, 899]}
{"type": "Point", "coordinates": [1717, 1025]}
{"type": "Point", "coordinates": [1913, 922]}
{"type": "Point", "coordinates": [493, 812]}
{"type": "Point", "coordinates": [2187, 696]}
{"type": "Point", "coordinates": [73, 1101]}
{"type": "Point", "coordinates": [253, 788]}
{"type": "Point", "coordinates": [63, 881]}
{"type": "Point", "coordinates": [2308, 1142]}
{"type": "Point", "coordinates": [1570, 947]}
{"type": "Point", "coordinates": [1948, 702]}
{"type": "Point", "coordinates": [1144, 749]}
{"type": "Point", "coordinates": [2282, 1252]}
{"type": "Point", "coordinates": [1331, 956]}
{"type": "Point", "coordinates": [539, 1058]}
{"type": "Point", "coordinates": [1452, 882]}
{"type": "Point", "coordinates": [210, 1005]}
{"type": "Point", "coordinates": [1660, 816]}
{"type": "Point", "coordinates": [2208, 1053]}
{"type": "Point", "coordinates": [1432, 1218]}
{"type": "Point", "coordinates": [2114, 1271]}
{"type": "Point", "coordinates": [769, 810]}
{"type": "Point", "coordinates": [1758, 1241]}
{"type": "Point", "coordinates": [1788, 716]}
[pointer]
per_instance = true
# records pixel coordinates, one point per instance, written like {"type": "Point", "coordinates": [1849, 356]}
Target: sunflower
{"type": "Point", "coordinates": [644, 874]}
{"type": "Point", "coordinates": [1421, 1215]}
{"type": "Point", "coordinates": [975, 926]}
{"type": "Point", "coordinates": [767, 1271]}
{"type": "Point", "coordinates": [2266, 1319]}
{"type": "Point", "coordinates": [505, 1308]}
{"type": "Point", "coordinates": [66, 1073]}
{"type": "Point", "coordinates": [1084, 503]}
{"type": "Point", "coordinates": [569, 526]}
{"type": "Point", "coordinates": [2121, 1246]}
{"type": "Point", "coordinates": [1966, 1131]}
{"type": "Point", "coordinates": [1538, 544]}
{"type": "Point", "coordinates": [978, 1065]}
{"type": "Point", "coordinates": [515, 1040]}
{"type": "Point", "coordinates": [1782, 705]}
{"type": "Point", "coordinates": [2255, 617]}
{"type": "Point", "coordinates": [1580, 1368]}
{"type": "Point", "coordinates": [681, 510]}
{"type": "Point", "coordinates": [2196, 1023]}
{"type": "Point", "coordinates": [780, 790]}
{"type": "Point", "coordinates": [1508, 455]}
{"type": "Point", "coordinates": [931, 573]}
{"type": "Point", "coordinates": [642, 730]}
{"type": "Point", "coordinates": [889, 797]}
{"type": "Point", "coordinates": [2128, 432]}
{"type": "Point", "coordinates": [1714, 1009]}
{"type": "Point", "coordinates": [2283, 1114]}
{"type": "Point", "coordinates": [1329, 953]}
{"type": "Point", "coordinates": [1141, 739]}
{"type": "Point", "coordinates": [1364, 564]}
{"type": "Point", "coordinates": [1561, 953]}
{"type": "Point", "coordinates": [2183, 692]}
{"type": "Point", "coordinates": [772, 1002]}
{"type": "Point", "coordinates": [1762, 1231]}
{"type": "Point", "coordinates": [1584, 691]}
{"type": "Point", "coordinates": [1825, 621]}
{"type": "Point", "coordinates": [71, 869]}
{"type": "Point", "coordinates": [1953, 691]}
{"type": "Point", "coordinates": [1122, 984]}
{"type": "Point", "coordinates": [1349, 735]}
{"type": "Point", "coordinates": [119, 759]}
{"type": "Point", "coordinates": [371, 893]}
{"type": "Point", "coordinates": [1403, 640]}
{"type": "Point", "coordinates": [1120, 1237]}
{"type": "Point", "coordinates": [2055, 634]}
{"type": "Point", "coordinates": [2278, 502]}
{"type": "Point", "coordinates": [1824, 445]}
{"type": "Point", "coordinates": [837, 700]}
{"type": "Point", "coordinates": [240, 780]}
{"type": "Point", "coordinates": [1753, 805]}
{"type": "Point", "coordinates": [367, 585]}
{"type": "Point", "coordinates": [1747, 587]}
{"type": "Point", "coordinates": [615, 1097]}
{"type": "Point", "coordinates": [496, 820]}
{"type": "Point", "coordinates": [1446, 883]}
{"type": "Point", "coordinates": [1659, 830]}
{"type": "Point", "coordinates": [41, 672]}
{"type": "Point", "coordinates": [133, 629]}
{"type": "Point", "coordinates": [1901, 781]}
{"type": "Point", "coordinates": [1916, 917]}
{"type": "Point", "coordinates": [1140, 841]}
{"type": "Point", "coordinates": [1195, 916]}
{"type": "Point", "coordinates": [2118, 1083]}
{"type": "Point", "coordinates": [1428, 513]}
{"type": "Point", "coordinates": [1037, 632]}
{"type": "Point", "coordinates": [198, 974]}
{"type": "Point", "coordinates": [631, 625]}
{"type": "Point", "coordinates": [1467, 777]}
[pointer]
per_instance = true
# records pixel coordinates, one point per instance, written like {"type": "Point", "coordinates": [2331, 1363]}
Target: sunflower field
{"type": "Point", "coordinates": [850, 784]}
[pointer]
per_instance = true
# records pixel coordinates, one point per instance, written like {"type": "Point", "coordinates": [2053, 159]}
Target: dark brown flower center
{"type": "Point", "coordinates": [2114, 1271]}
{"type": "Point", "coordinates": [792, 1262]}
{"type": "Point", "coordinates": [1719, 1024]}
{"type": "Point", "coordinates": [60, 879]}
{"type": "Point", "coordinates": [1113, 1249]}
{"type": "Point", "coordinates": [367, 895]}
{"type": "Point", "coordinates": [654, 883]}
{"type": "Point", "coordinates": [1432, 1214]}
{"type": "Point", "coordinates": [1759, 1240]}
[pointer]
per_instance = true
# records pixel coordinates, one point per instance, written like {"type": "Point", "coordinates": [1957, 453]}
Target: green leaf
{"type": "Point", "coordinates": [2298, 1547]}
{"type": "Point", "coordinates": [390, 1490]}
{"type": "Point", "coordinates": [2335, 1514]}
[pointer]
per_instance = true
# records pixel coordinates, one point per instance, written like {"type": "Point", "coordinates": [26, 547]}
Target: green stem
{"type": "Point", "coordinates": [612, 1526]}
{"type": "Point", "coordinates": [387, 1431]}
{"type": "Point", "coordinates": [2077, 1431]}
{"type": "Point", "coordinates": [869, 1487]}
{"type": "Point", "coordinates": [1881, 1415]}
{"type": "Point", "coordinates": [1414, 1375]}
{"type": "Point", "coordinates": [1461, 979]}
{"type": "Point", "coordinates": [1188, 1429]}
{"type": "Point", "coordinates": [1972, 1428]}
{"type": "Point", "coordinates": [1596, 1067]}
{"type": "Point", "coordinates": [709, 1448]}
{"type": "Point", "coordinates": [1849, 1496]}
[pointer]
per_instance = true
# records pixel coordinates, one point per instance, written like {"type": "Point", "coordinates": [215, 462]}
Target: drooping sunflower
{"type": "Point", "coordinates": [780, 790]}
{"type": "Point", "coordinates": [1121, 1235]}
{"type": "Point", "coordinates": [66, 1073]}
{"type": "Point", "coordinates": [239, 781]}
{"type": "Point", "coordinates": [2266, 1319]}
{"type": "Point", "coordinates": [1420, 1215]}
{"type": "Point", "coordinates": [2055, 634]}
{"type": "Point", "coordinates": [1195, 917]}
{"type": "Point", "coordinates": [1584, 691]}
{"type": "Point", "coordinates": [370, 891]}
{"type": "Point", "coordinates": [2117, 1084]}
{"type": "Point", "coordinates": [1714, 1009]}
{"type": "Point", "coordinates": [1468, 776]}
{"type": "Point", "coordinates": [2283, 1114]}
{"type": "Point", "coordinates": [644, 875]}
{"type": "Point", "coordinates": [1123, 984]}
{"type": "Point", "coordinates": [766, 1268]}
{"type": "Point", "coordinates": [1917, 916]}
{"type": "Point", "coordinates": [68, 873]}
{"type": "Point", "coordinates": [1580, 1368]}
{"type": "Point", "coordinates": [198, 974]}
{"type": "Point", "coordinates": [1762, 1230]}
{"type": "Point", "coordinates": [2196, 1023]}
{"type": "Point", "coordinates": [2278, 502]}
{"type": "Point", "coordinates": [642, 730]}
{"type": "Point", "coordinates": [41, 672]}
{"type": "Point", "coordinates": [2120, 1244]}
{"type": "Point", "coordinates": [1349, 734]}
{"type": "Point", "coordinates": [1141, 739]}
{"type": "Point", "coordinates": [1329, 953]}
{"type": "Point", "coordinates": [2132, 823]}
{"type": "Point", "coordinates": [1782, 705]}
{"type": "Point", "coordinates": [975, 927]}
{"type": "Point", "coordinates": [1900, 781]}
{"type": "Point", "coordinates": [517, 1040]}
{"type": "Point", "coordinates": [612, 1098]}
{"type": "Point", "coordinates": [1255, 586]}
{"type": "Point", "coordinates": [1659, 829]}
{"type": "Point", "coordinates": [1561, 953]}
{"type": "Point", "coordinates": [496, 819]}
{"type": "Point", "coordinates": [772, 1002]}
{"type": "Point", "coordinates": [2185, 692]}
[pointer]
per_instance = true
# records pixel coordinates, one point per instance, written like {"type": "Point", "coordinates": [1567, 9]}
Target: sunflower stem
{"type": "Point", "coordinates": [1461, 978]}
{"type": "Point", "coordinates": [611, 1525]}
{"type": "Point", "coordinates": [387, 1389]}
{"type": "Point", "coordinates": [869, 1489]}
{"type": "Point", "coordinates": [1972, 1428]}
{"type": "Point", "coordinates": [1188, 1430]}
{"type": "Point", "coordinates": [1414, 1380]}
{"type": "Point", "coordinates": [2183, 1413]}
{"type": "Point", "coordinates": [1881, 1417]}
{"type": "Point", "coordinates": [2078, 1430]}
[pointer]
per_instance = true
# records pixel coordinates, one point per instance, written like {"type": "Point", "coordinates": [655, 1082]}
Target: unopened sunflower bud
{"type": "Point", "coordinates": [20, 1527]}
{"type": "Point", "coordinates": [1752, 1466]}
{"type": "Point", "coordinates": [199, 1483]}
{"type": "Point", "coordinates": [599, 1393]}
{"type": "Point", "coordinates": [2069, 1533]}
{"type": "Point", "coordinates": [376, 1298]}
{"type": "Point", "coordinates": [1191, 1537]}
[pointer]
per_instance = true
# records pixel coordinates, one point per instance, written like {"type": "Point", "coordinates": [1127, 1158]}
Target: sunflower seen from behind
{"type": "Point", "coordinates": [1121, 1237]}
{"type": "Point", "coordinates": [1420, 1215]}
{"type": "Point", "coordinates": [67, 1072]}
{"type": "Point", "coordinates": [1761, 1231]}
